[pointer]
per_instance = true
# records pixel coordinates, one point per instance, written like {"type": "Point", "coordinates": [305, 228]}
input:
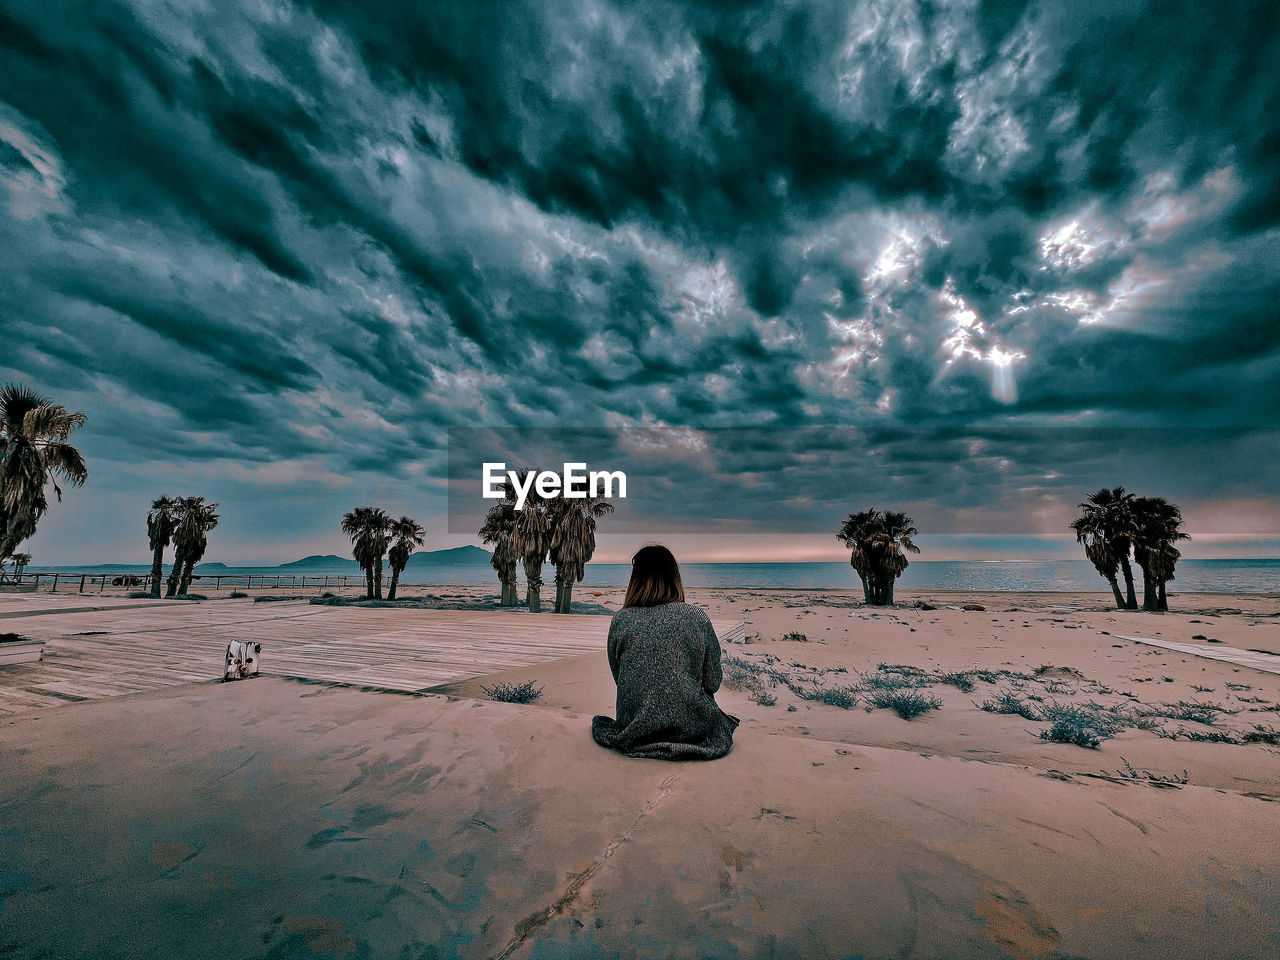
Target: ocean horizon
{"type": "Point", "coordinates": [1236, 575]}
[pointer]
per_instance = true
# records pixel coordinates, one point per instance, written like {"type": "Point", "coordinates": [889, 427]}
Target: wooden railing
{"type": "Point", "coordinates": [141, 582]}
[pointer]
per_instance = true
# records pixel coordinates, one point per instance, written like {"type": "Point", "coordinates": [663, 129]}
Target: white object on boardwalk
{"type": "Point", "coordinates": [25, 650]}
{"type": "Point", "coordinates": [242, 660]}
{"type": "Point", "coordinates": [1266, 662]}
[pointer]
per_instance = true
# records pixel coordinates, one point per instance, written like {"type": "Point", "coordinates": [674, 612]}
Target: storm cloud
{"type": "Point", "coordinates": [275, 250]}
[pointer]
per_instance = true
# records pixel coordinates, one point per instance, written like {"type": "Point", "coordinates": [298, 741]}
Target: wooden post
{"type": "Point", "coordinates": [82, 583]}
{"type": "Point", "coordinates": [55, 583]}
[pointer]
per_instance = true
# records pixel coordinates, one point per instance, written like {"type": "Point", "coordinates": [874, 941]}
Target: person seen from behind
{"type": "Point", "coordinates": [665, 659]}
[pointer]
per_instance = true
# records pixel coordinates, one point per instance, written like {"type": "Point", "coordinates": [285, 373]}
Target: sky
{"type": "Point", "coordinates": [972, 260]}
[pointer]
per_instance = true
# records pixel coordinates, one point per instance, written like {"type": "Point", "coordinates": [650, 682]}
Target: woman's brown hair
{"type": "Point", "coordinates": [655, 578]}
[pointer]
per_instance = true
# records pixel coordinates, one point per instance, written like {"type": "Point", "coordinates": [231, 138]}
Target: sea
{"type": "Point", "coordinates": [1193, 576]}
{"type": "Point", "coordinates": [1243, 576]}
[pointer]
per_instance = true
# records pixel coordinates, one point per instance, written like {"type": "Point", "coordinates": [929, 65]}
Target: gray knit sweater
{"type": "Point", "coordinates": [666, 663]}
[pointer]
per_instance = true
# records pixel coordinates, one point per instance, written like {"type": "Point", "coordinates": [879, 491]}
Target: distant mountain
{"type": "Point", "coordinates": [453, 557]}
{"type": "Point", "coordinates": [327, 560]}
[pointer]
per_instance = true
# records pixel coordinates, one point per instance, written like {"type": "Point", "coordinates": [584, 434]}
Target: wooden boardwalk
{"type": "Point", "coordinates": [111, 652]}
{"type": "Point", "coordinates": [1266, 662]}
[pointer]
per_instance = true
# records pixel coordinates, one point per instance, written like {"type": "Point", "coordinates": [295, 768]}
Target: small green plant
{"type": "Point", "coordinates": [742, 674]}
{"type": "Point", "coordinates": [1077, 731]}
{"type": "Point", "coordinates": [1107, 720]}
{"type": "Point", "coordinates": [1202, 736]}
{"type": "Point", "coordinates": [889, 677]}
{"type": "Point", "coordinates": [138, 595]}
{"type": "Point", "coordinates": [1260, 734]}
{"type": "Point", "coordinates": [513, 692]}
{"type": "Point", "coordinates": [1056, 671]}
{"type": "Point", "coordinates": [837, 697]}
{"type": "Point", "coordinates": [908, 704]}
{"type": "Point", "coordinates": [763, 697]}
{"type": "Point", "coordinates": [1193, 711]}
{"type": "Point", "coordinates": [1008, 702]}
{"type": "Point", "coordinates": [1159, 779]}
{"type": "Point", "coordinates": [237, 595]}
{"type": "Point", "coordinates": [1085, 725]}
{"type": "Point", "coordinates": [962, 680]}
{"type": "Point", "coordinates": [795, 636]}
{"type": "Point", "coordinates": [841, 697]}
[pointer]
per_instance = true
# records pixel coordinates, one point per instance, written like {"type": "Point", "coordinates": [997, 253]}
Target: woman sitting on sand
{"type": "Point", "coordinates": [665, 659]}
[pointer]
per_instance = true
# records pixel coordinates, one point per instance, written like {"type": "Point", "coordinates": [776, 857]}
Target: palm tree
{"type": "Point", "coordinates": [499, 529]}
{"type": "Point", "coordinates": [194, 519]}
{"type": "Point", "coordinates": [160, 525]}
{"type": "Point", "coordinates": [369, 529]}
{"type": "Point", "coordinates": [1158, 522]}
{"type": "Point", "coordinates": [33, 452]}
{"type": "Point", "coordinates": [1106, 527]}
{"type": "Point", "coordinates": [878, 541]}
{"type": "Point", "coordinates": [1100, 553]}
{"type": "Point", "coordinates": [855, 532]}
{"type": "Point", "coordinates": [20, 561]}
{"type": "Point", "coordinates": [573, 541]}
{"type": "Point", "coordinates": [406, 533]}
{"type": "Point", "coordinates": [532, 539]}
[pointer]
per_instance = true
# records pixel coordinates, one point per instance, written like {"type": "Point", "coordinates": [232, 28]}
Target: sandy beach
{"type": "Point", "coordinates": [282, 817]}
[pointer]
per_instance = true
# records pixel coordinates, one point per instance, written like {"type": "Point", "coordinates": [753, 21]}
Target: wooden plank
{"type": "Point", "coordinates": [1267, 663]}
{"type": "Point", "coordinates": [97, 654]}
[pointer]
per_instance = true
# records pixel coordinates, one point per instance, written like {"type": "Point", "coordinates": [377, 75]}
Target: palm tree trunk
{"type": "Point", "coordinates": [1164, 599]}
{"type": "Point", "coordinates": [1115, 589]}
{"type": "Point", "coordinates": [888, 593]}
{"type": "Point", "coordinates": [187, 569]}
{"type": "Point", "coordinates": [1150, 593]}
{"type": "Point", "coordinates": [377, 579]}
{"type": "Point", "coordinates": [175, 574]}
{"type": "Point", "coordinates": [157, 570]}
{"type": "Point", "coordinates": [1132, 603]}
{"type": "Point", "coordinates": [533, 586]}
{"type": "Point", "coordinates": [395, 582]}
{"type": "Point", "coordinates": [567, 599]}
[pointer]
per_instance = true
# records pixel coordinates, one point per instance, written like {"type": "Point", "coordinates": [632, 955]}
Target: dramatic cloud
{"type": "Point", "coordinates": [275, 250]}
